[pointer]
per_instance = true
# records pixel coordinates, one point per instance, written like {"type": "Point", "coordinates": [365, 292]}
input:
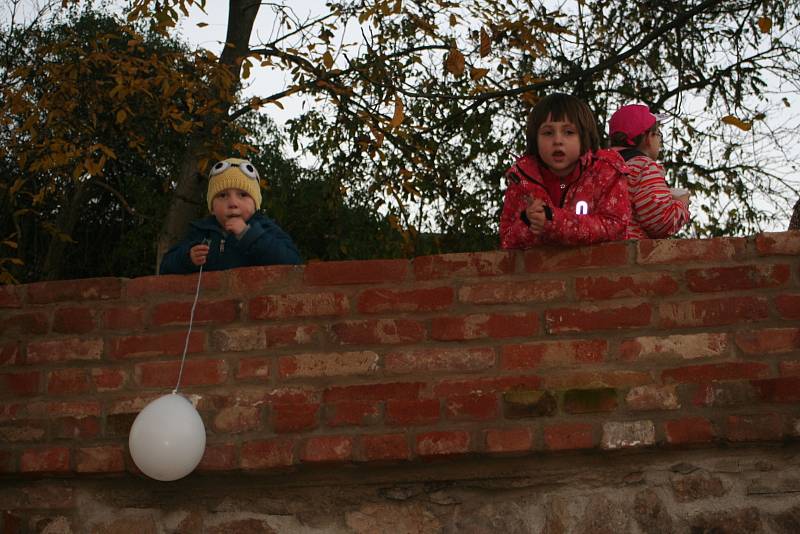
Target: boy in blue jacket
{"type": "Point", "coordinates": [236, 234]}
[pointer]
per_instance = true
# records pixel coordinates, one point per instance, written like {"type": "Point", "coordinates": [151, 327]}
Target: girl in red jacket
{"type": "Point", "coordinates": [564, 190]}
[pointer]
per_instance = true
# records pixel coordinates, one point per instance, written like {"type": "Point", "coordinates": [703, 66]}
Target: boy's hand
{"type": "Point", "coordinates": [536, 216]}
{"type": "Point", "coordinates": [235, 225]}
{"type": "Point", "coordinates": [198, 254]}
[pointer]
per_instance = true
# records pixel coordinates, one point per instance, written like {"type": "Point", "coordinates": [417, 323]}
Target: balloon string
{"type": "Point", "coordinates": [189, 332]}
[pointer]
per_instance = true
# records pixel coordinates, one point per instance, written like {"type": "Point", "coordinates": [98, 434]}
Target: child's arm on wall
{"type": "Point", "coordinates": [265, 243]}
{"type": "Point", "coordinates": [177, 259]}
{"type": "Point", "coordinates": [514, 230]}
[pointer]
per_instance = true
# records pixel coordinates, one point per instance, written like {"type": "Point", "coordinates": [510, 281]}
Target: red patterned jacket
{"type": "Point", "coordinates": [592, 209]}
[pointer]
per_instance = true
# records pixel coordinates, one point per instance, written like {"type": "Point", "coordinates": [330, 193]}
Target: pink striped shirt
{"type": "Point", "coordinates": [656, 214]}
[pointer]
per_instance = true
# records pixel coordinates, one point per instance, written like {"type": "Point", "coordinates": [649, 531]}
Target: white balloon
{"type": "Point", "coordinates": [168, 438]}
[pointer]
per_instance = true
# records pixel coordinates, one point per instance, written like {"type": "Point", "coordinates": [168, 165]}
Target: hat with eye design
{"type": "Point", "coordinates": [234, 173]}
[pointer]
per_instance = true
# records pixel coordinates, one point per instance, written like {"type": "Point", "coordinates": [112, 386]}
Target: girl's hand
{"type": "Point", "coordinates": [198, 254]}
{"type": "Point", "coordinates": [536, 216]}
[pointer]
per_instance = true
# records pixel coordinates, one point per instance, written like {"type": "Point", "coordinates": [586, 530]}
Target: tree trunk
{"type": "Point", "coordinates": [52, 268]}
{"type": "Point", "coordinates": [241, 16]}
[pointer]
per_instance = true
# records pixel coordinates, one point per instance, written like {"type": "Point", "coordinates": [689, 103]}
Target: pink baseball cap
{"type": "Point", "coordinates": [633, 120]}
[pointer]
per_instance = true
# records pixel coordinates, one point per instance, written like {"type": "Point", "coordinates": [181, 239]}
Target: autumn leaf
{"type": "Point", "coordinates": [453, 20]}
{"type": "Point", "coordinates": [455, 62]}
{"type": "Point", "coordinates": [398, 116]}
{"type": "Point", "coordinates": [739, 123]}
{"type": "Point", "coordinates": [202, 24]}
{"type": "Point", "coordinates": [477, 74]}
{"type": "Point", "coordinates": [486, 44]}
{"type": "Point", "coordinates": [765, 24]}
{"type": "Point", "coordinates": [327, 60]}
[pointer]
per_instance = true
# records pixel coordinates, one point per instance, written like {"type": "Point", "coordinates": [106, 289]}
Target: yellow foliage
{"type": "Point", "coordinates": [739, 123]}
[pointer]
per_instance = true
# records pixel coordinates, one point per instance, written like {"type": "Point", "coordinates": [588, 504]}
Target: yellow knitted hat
{"type": "Point", "coordinates": [234, 173]}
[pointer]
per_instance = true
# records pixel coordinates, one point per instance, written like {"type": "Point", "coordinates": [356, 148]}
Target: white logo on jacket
{"type": "Point", "coordinates": [582, 207]}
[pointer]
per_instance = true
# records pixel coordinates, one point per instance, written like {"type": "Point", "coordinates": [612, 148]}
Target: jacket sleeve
{"type": "Point", "coordinates": [607, 221]}
{"type": "Point", "coordinates": [656, 211]}
{"type": "Point", "coordinates": [265, 243]}
{"type": "Point", "coordinates": [514, 232]}
{"type": "Point", "coordinates": [176, 260]}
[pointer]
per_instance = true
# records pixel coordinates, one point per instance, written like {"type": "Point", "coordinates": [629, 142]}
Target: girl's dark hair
{"type": "Point", "coordinates": [621, 138]}
{"type": "Point", "coordinates": [560, 107]}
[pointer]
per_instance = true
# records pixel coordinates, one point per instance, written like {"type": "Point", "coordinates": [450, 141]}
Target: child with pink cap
{"type": "Point", "coordinates": [657, 211]}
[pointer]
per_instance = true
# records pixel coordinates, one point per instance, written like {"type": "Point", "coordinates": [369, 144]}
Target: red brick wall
{"type": "Point", "coordinates": [651, 344]}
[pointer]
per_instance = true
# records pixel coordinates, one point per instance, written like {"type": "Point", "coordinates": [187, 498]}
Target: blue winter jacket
{"type": "Point", "coordinates": [264, 243]}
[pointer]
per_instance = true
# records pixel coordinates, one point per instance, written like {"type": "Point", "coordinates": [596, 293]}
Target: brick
{"type": "Point", "coordinates": [788, 306]}
{"type": "Point", "coordinates": [696, 486]}
{"type": "Point", "coordinates": [8, 464]}
{"type": "Point", "coordinates": [23, 430]}
{"type": "Point", "coordinates": [105, 459]}
{"type": "Point", "coordinates": [405, 412]}
{"type": "Point", "coordinates": [237, 419]}
{"type": "Point", "coordinates": [737, 278]}
{"type": "Point", "coordinates": [75, 290]}
{"type": "Point", "coordinates": [778, 243]}
{"type": "Point", "coordinates": [688, 430]}
{"type": "Point", "coordinates": [239, 339]}
{"type": "Point", "coordinates": [64, 409]}
{"type": "Point", "coordinates": [724, 394]}
{"type": "Point", "coordinates": [517, 292]}
{"type": "Point", "coordinates": [24, 384]}
{"type": "Point", "coordinates": [378, 331]}
{"type": "Point", "coordinates": [786, 389]}
{"type": "Point", "coordinates": [755, 427]}
{"type": "Point", "coordinates": [165, 344]}
{"type": "Point", "coordinates": [553, 354]}
{"type": "Point", "coordinates": [508, 440]}
{"type": "Point", "coordinates": [567, 436]}
{"type": "Point", "coordinates": [592, 380]}
{"type": "Point", "coordinates": [124, 318]}
{"type": "Point", "coordinates": [146, 286]}
{"type": "Point", "coordinates": [107, 379]}
{"type": "Point", "coordinates": [677, 251]}
{"type": "Point", "coordinates": [650, 284]}
{"type": "Point", "coordinates": [45, 460]}
{"type": "Point", "coordinates": [73, 320]}
{"type": "Point", "coordinates": [768, 341]}
{"type": "Point", "coordinates": [464, 265]}
{"type": "Point", "coordinates": [219, 457]}
{"type": "Point", "coordinates": [442, 444]}
{"type": "Point", "coordinates": [699, 374]}
{"type": "Point", "coordinates": [653, 397]}
{"type": "Point", "coordinates": [520, 402]}
{"type": "Point", "coordinates": [374, 392]}
{"type": "Point", "coordinates": [24, 324]}
{"type": "Point", "coordinates": [119, 425]}
{"type": "Point", "coordinates": [298, 305]}
{"type": "Point", "coordinates": [627, 434]}
{"type": "Point", "coordinates": [476, 407]}
{"type": "Point", "coordinates": [559, 259]}
{"type": "Point", "coordinates": [328, 449]}
{"type": "Point", "coordinates": [206, 312]}
{"type": "Point", "coordinates": [62, 350]}
{"type": "Point", "coordinates": [262, 278]}
{"type": "Point", "coordinates": [288, 418]}
{"type": "Point", "coordinates": [10, 297]}
{"type": "Point", "coordinates": [352, 413]}
{"type": "Point", "coordinates": [590, 318]}
{"type": "Point", "coordinates": [479, 326]}
{"type": "Point", "coordinates": [253, 368]}
{"type": "Point", "coordinates": [590, 400]}
{"type": "Point", "coordinates": [683, 347]}
{"type": "Point", "coordinates": [195, 373]}
{"type": "Point", "coordinates": [439, 360]}
{"type": "Point", "coordinates": [77, 428]}
{"type": "Point", "coordinates": [449, 388]}
{"type": "Point", "coordinates": [10, 354]}
{"type": "Point", "coordinates": [67, 382]}
{"type": "Point", "coordinates": [290, 335]}
{"type": "Point", "coordinates": [789, 368]}
{"type": "Point", "coordinates": [385, 447]}
{"type": "Point", "coordinates": [10, 411]}
{"type": "Point", "coordinates": [328, 364]}
{"type": "Point", "coordinates": [423, 299]}
{"type": "Point", "coordinates": [355, 272]}
{"type": "Point", "coordinates": [267, 454]}
{"type": "Point", "coordinates": [712, 312]}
